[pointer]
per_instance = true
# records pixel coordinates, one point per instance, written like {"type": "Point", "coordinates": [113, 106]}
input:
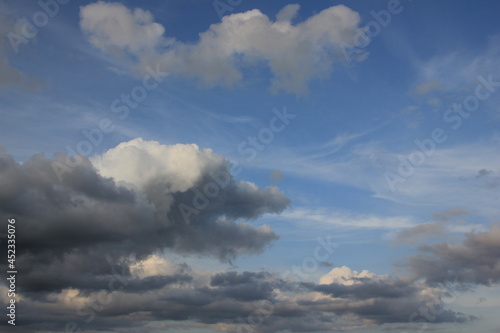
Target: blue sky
{"type": "Point", "coordinates": [373, 124]}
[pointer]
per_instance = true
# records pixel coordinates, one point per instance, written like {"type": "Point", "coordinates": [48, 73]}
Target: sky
{"type": "Point", "coordinates": [251, 166]}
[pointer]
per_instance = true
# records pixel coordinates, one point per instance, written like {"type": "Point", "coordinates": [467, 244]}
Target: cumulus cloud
{"type": "Point", "coordinates": [79, 232]}
{"type": "Point", "coordinates": [294, 53]}
{"type": "Point", "coordinates": [345, 276]}
{"type": "Point", "coordinates": [179, 167]}
{"type": "Point", "coordinates": [474, 261]}
{"type": "Point", "coordinates": [112, 27]}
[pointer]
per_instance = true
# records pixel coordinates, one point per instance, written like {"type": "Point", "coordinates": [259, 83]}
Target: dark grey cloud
{"type": "Point", "coordinates": [474, 261]}
{"type": "Point", "coordinates": [383, 300]}
{"type": "Point", "coordinates": [273, 303]}
{"type": "Point", "coordinates": [488, 178]}
{"type": "Point", "coordinates": [246, 286]}
{"type": "Point", "coordinates": [235, 278]}
{"type": "Point", "coordinates": [75, 232]}
{"type": "Point", "coordinates": [483, 173]}
{"type": "Point", "coordinates": [368, 288]}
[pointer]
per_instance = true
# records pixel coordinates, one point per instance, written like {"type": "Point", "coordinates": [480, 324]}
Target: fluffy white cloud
{"type": "Point", "coordinates": [142, 162]}
{"type": "Point", "coordinates": [345, 276]}
{"type": "Point", "coordinates": [295, 54]}
{"type": "Point", "coordinates": [153, 265]}
{"type": "Point", "coordinates": [111, 27]}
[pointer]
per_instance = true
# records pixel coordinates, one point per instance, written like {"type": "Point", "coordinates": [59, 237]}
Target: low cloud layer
{"type": "Point", "coordinates": [271, 303]}
{"type": "Point", "coordinates": [91, 249]}
{"type": "Point", "coordinates": [294, 53]}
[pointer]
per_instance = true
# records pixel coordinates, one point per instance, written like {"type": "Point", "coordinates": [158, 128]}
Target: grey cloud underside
{"type": "Point", "coordinates": [232, 295]}
{"type": "Point", "coordinates": [70, 231]}
{"type": "Point", "coordinates": [474, 261]}
{"type": "Point", "coordinates": [390, 300]}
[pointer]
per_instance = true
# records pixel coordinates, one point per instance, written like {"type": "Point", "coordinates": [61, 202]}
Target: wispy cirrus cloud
{"type": "Point", "coordinates": [446, 177]}
{"type": "Point", "coordinates": [339, 219]}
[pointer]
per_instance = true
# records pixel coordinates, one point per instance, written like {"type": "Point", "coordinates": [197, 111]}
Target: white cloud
{"type": "Point", "coordinates": [111, 27]}
{"type": "Point", "coordinates": [345, 276]}
{"type": "Point", "coordinates": [142, 162]}
{"type": "Point", "coordinates": [295, 54]}
{"type": "Point", "coordinates": [153, 265]}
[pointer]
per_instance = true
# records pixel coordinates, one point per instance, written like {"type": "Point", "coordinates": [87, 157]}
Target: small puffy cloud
{"type": "Point", "coordinates": [152, 266]}
{"type": "Point", "coordinates": [345, 276]}
{"type": "Point", "coordinates": [288, 13]}
{"type": "Point", "coordinates": [294, 53]}
{"type": "Point", "coordinates": [484, 173]}
{"type": "Point", "coordinates": [112, 27]}
{"type": "Point", "coordinates": [142, 163]}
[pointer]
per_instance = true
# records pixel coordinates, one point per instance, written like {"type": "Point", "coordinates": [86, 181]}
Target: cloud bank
{"type": "Point", "coordinates": [93, 247]}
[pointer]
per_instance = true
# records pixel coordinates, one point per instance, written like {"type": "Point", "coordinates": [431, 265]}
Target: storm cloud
{"type": "Point", "coordinates": [75, 232]}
